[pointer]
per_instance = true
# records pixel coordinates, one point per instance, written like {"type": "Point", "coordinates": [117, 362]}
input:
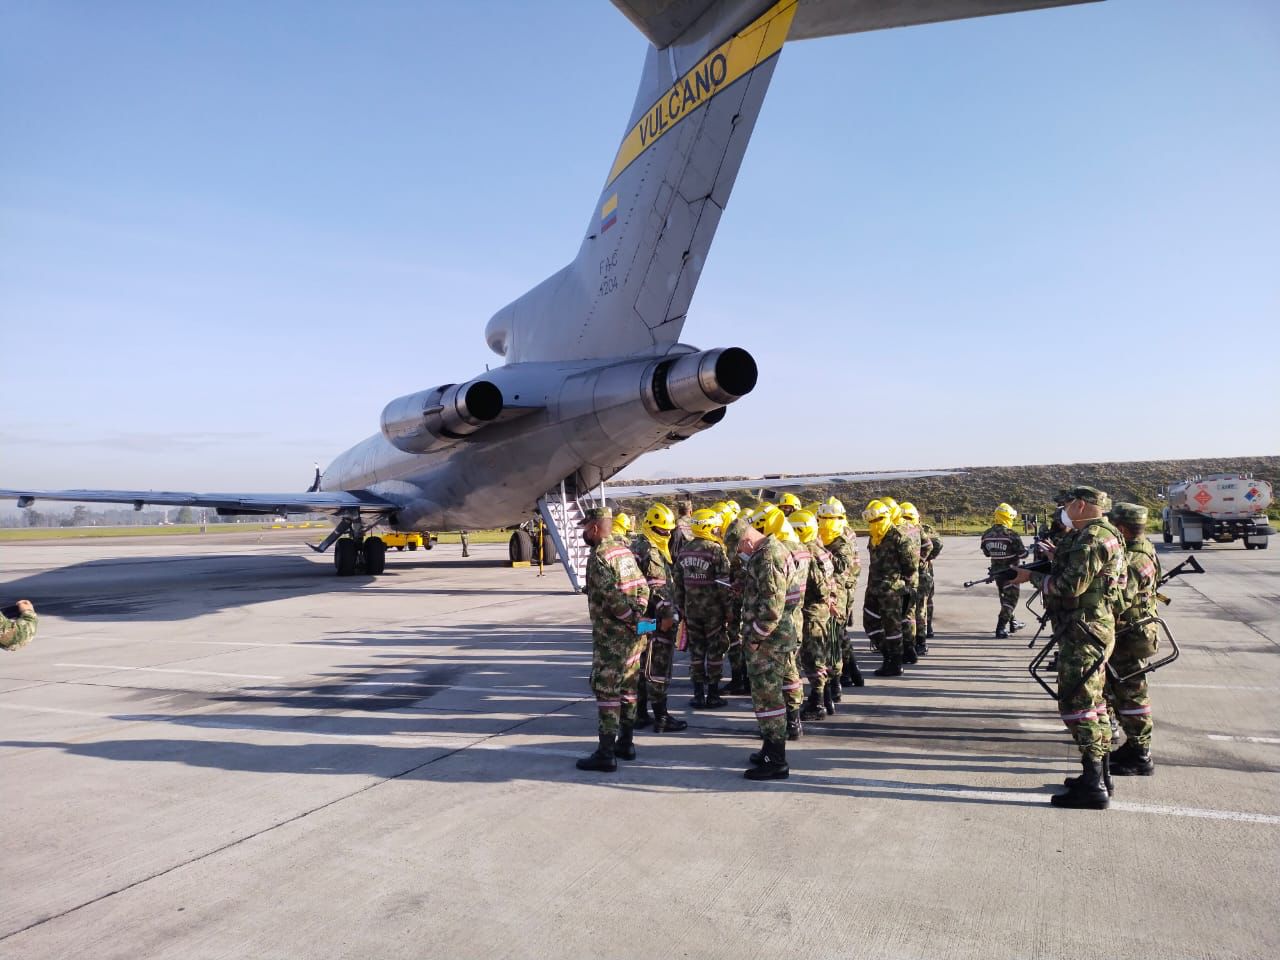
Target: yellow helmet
{"type": "Point", "coordinates": [622, 524]}
{"type": "Point", "coordinates": [835, 502]}
{"type": "Point", "coordinates": [910, 513]}
{"type": "Point", "coordinates": [731, 511]}
{"type": "Point", "coordinates": [762, 506]}
{"type": "Point", "coordinates": [832, 508]}
{"type": "Point", "coordinates": [1005, 515]}
{"type": "Point", "coordinates": [660, 521]}
{"type": "Point", "coordinates": [831, 522]}
{"type": "Point", "coordinates": [788, 532]}
{"type": "Point", "coordinates": [718, 507]}
{"type": "Point", "coordinates": [895, 511]}
{"type": "Point", "coordinates": [706, 525]}
{"type": "Point", "coordinates": [879, 520]}
{"type": "Point", "coordinates": [769, 521]}
{"type": "Point", "coordinates": [805, 524]}
{"type": "Point", "coordinates": [788, 503]}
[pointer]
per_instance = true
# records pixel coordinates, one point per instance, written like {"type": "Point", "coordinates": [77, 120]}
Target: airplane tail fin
{"type": "Point", "coordinates": [629, 288]}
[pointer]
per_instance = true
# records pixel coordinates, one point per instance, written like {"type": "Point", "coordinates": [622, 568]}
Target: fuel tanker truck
{"type": "Point", "coordinates": [1222, 507]}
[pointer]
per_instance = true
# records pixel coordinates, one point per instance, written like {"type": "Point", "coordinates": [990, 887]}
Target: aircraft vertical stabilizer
{"type": "Point", "coordinates": [650, 229]}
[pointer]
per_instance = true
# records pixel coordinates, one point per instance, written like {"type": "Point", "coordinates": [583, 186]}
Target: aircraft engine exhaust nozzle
{"type": "Point", "coordinates": [701, 382]}
{"type": "Point", "coordinates": [435, 418]}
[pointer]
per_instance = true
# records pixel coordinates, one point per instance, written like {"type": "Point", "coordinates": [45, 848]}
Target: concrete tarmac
{"type": "Point", "coordinates": [216, 748]}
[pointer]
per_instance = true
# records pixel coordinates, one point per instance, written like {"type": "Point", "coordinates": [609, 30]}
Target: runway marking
{"type": "Point", "coordinates": [1210, 686]}
{"type": "Point", "coordinates": [1234, 739]}
{"type": "Point", "coordinates": [70, 713]}
{"type": "Point", "coordinates": [196, 673]}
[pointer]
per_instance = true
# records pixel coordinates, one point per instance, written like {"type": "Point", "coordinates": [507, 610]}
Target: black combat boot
{"type": "Point", "coordinates": [812, 709]}
{"type": "Point", "coordinates": [603, 759]}
{"type": "Point", "coordinates": [921, 648]}
{"type": "Point", "coordinates": [1088, 792]}
{"type": "Point", "coordinates": [795, 729]}
{"type": "Point", "coordinates": [1132, 760]}
{"type": "Point", "coordinates": [642, 705]}
{"type": "Point", "coordinates": [1015, 626]}
{"type": "Point", "coordinates": [851, 665]}
{"type": "Point", "coordinates": [833, 689]}
{"type": "Point", "coordinates": [892, 666]}
{"type": "Point", "coordinates": [773, 762]}
{"type": "Point", "coordinates": [625, 748]}
{"type": "Point", "coordinates": [1106, 777]}
{"type": "Point", "coordinates": [714, 700]}
{"type": "Point", "coordinates": [699, 700]}
{"type": "Point", "coordinates": [909, 653]}
{"type": "Point", "coordinates": [1002, 633]}
{"type": "Point", "coordinates": [928, 634]}
{"type": "Point", "coordinates": [760, 756]}
{"type": "Point", "coordinates": [664, 722]}
{"type": "Point", "coordinates": [737, 680]}
{"type": "Point", "coordinates": [846, 677]}
{"type": "Point", "coordinates": [829, 698]}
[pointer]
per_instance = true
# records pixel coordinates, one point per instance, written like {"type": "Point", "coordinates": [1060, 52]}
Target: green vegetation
{"type": "Point", "coordinates": [963, 503]}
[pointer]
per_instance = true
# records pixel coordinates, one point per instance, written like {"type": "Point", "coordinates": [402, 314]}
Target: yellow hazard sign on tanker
{"type": "Point", "coordinates": [732, 60]}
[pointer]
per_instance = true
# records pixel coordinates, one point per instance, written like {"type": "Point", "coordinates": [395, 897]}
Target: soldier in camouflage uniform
{"type": "Point", "coordinates": [910, 527]}
{"type": "Point", "coordinates": [17, 633]}
{"type": "Point", "coordinates": [772, 522]}
{"type": "Point", "coordinates": [1137, 639]}
{"type": "Point", "coordinates": [842, 544]}
{"type": "Point", "coordinates": [818, 609]}
{"type": "Point", "coordinates": [892, 577]}
{"type": "Point", "coordinates": [768, 634]}
{"type": "Point", "coordinates": [1003, 548]}
{"type": "Point", "coordinates": [652, 554]}
{"type": "Point", "coordinates": [617, 597]}
{"type": "Point", "coordinates": [735, 525]}
{"type": "Point", "coordinates": [702, 596]}
{"type": "Point", "coordinates": [930, 547]}
{"type": "Point", "coordinates": [1082, 591]}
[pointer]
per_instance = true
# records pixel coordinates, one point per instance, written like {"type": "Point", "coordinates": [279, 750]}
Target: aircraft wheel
{"type": "Point", "coordinates": [345, 557]}
{"type": "Point", "coordinates": [375, 556]}
{"type": "Point", "coordinates": [521, 547]}
{"type": "Point", "coordinates": [549, 554]}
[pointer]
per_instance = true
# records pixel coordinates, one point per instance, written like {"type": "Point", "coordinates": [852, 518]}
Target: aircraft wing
{"type": "Point", "coordinates": [765, 483]}
{"type": "Point", "coordinates": [338, 502]}
{"type": "Point", "coordinates": [664, 21]}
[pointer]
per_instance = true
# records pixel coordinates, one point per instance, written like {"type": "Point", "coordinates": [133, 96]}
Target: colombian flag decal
{"type": "Point", "coordinates": [609, 213]}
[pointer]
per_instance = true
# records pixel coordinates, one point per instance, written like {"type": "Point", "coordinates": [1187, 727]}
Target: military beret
{"type": "Point", "coordinates": [1129, 513]}
{"type": "Point", "coordinates": [1088, 495]}
{"type": "Point", "coordinates": [596, 513]}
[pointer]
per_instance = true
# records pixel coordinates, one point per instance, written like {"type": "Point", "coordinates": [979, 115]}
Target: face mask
{"type": "Point", "coordinates": [1065, 518]}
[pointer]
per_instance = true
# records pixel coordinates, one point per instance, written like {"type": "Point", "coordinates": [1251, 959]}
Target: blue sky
{"type": "Point", "coordinates": [230, 233]}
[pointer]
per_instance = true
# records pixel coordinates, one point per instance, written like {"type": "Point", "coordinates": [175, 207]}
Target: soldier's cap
{"type": "Point", "coordinates": [1062, 497]}
{"type": "Point", "coordinates": [593, 514]}
{"type": "Point", "coordinates": [1129, 513]}
{"type": "Point", "coordinates": [1088, 495]}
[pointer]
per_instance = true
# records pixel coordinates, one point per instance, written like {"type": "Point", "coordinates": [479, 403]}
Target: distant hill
{"type": "Point", "coordinates": [1030, 490]}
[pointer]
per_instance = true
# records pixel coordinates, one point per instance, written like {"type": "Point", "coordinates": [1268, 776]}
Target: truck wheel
{"type": "Point", "coordinates": [521, 547]}
{"type": "Point", "coordinates": [345, 556]}
{"type": "Point", "coordinates": [1168, 535]}
{"type": "Point", "coordinates": [375, 556]}
{"type": "Point", "coordinates": [412, 546]}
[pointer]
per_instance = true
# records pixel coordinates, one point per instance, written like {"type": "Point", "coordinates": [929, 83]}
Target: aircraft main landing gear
{"type": "Point", "coordinates": [353, 552]}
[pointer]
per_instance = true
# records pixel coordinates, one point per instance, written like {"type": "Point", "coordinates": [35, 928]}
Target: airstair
{"type": "Point", "coordinates": [562, 513]}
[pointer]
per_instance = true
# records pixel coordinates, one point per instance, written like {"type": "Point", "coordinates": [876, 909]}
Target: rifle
{"type": "Point", "coordinates": [1008, 573]}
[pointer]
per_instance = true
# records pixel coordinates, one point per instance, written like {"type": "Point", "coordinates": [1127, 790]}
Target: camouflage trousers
{"type": "Point", "coordinates": [769, 662]}
{"type": "Point", "coordinates": [657, 662]}
{"type": "Point", "coordinates": [924, 602]}
{"type": "Point", "coordinates": [909, 601]}
{"type": "Point", "coordinates": [615, 673]}
{"type": "Point", "coordinates": [708, 643]}
{"type": "Point", "coordinates": [815, 652]}
{"type": "Point", "coordinates": [1008, 604]}
{"type": "Point", "coordinates": [882, 619]}
{"type": "Point", "coordinates": [1130, 700]}
{"type": "Point", "coordinates": [737, 655]}
{"type": "Point", "coordinates": [1081, 702]}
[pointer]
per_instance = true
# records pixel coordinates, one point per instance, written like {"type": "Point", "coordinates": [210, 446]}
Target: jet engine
{"type": "Point", "coordinates": [435, 418]}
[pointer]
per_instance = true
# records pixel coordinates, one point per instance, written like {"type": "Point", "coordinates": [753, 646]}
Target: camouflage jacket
{"type": "Point", "coordinates": [1138, 596]}
{"type": "Point", "coordinates": [701, 572]}
{"type": "Point", "coordinates": [657, 574]}
{"type": "Point", "coordinates": [616, 589]}
{"type": "Point", "coordinates": [767, 577]}
{"type": "Point", "coordinates": [895, 565]}
{"type": "Point", "coordinates": [803, 559]}
{"type": "Point", "coordinates": [844, 555]}
{"type": "Point", "coordinates": [1002, 547]}
{"type": "Point", "coordinates": [731, 538]}
{"type": "Point", "coordinates": [820, 590]}
{"type": "Point", "coordinates": [930, 545]}
{"type": "Point", "coordinates": [680, 536]}
{"type": "Point", "coordinates": [915, 536]}
{"type": "Point", "coordinates": [15, 634]}
{"type": "Point", "coordinates": [1088, 577]}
